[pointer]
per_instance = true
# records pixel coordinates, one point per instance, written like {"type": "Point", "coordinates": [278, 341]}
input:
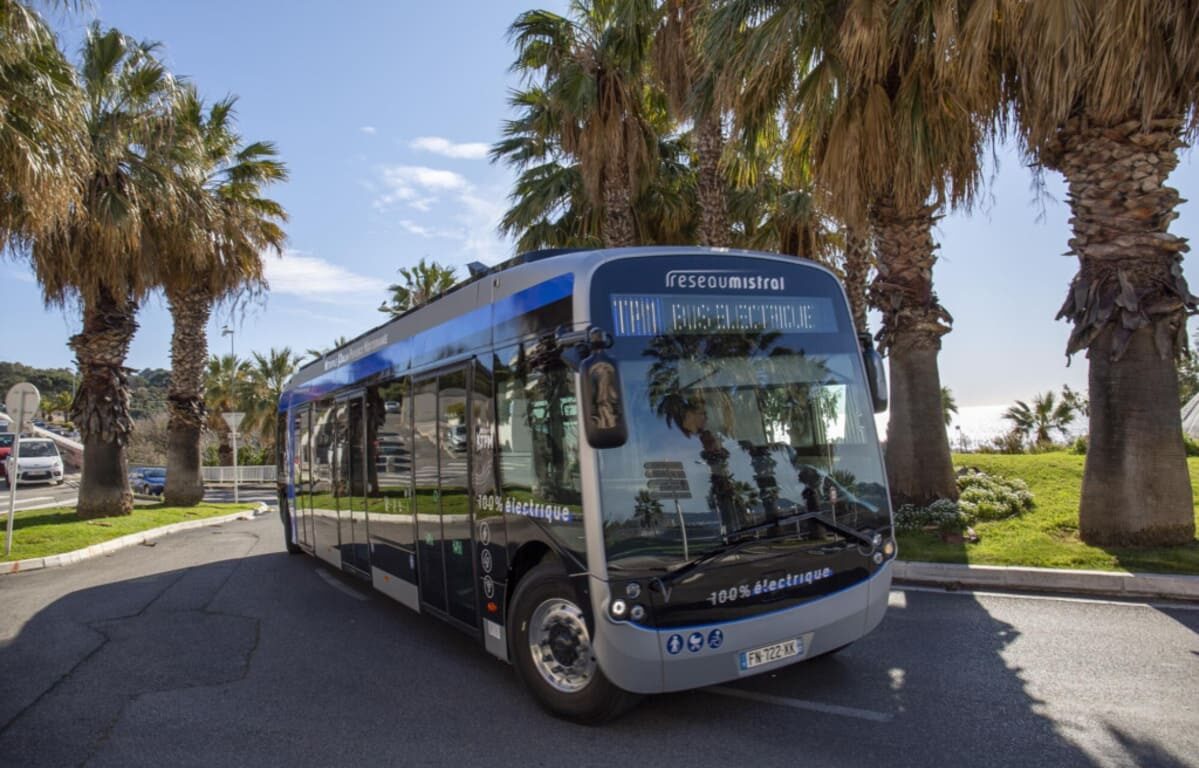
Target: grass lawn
{"type": "Point", "coordinates": [42, 532]}
{"type": "Point", "coordinates": [1047, 537]}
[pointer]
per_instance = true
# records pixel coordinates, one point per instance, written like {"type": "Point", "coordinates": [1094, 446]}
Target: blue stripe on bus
{"type": "Point", "coordinates": [405, 353]}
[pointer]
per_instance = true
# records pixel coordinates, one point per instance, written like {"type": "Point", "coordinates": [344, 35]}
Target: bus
{"type": "Point", "coordinates": [625, 471]}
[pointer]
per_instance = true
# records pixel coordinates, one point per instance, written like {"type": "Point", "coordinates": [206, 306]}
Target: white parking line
{"type": "Point", "coordinates": [812, 706]}
{"type": "Point", "coordinates": [332, 581]}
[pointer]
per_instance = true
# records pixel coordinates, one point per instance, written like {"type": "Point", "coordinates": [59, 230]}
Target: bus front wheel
{"type": "Point", "coordinates": [553, 653]}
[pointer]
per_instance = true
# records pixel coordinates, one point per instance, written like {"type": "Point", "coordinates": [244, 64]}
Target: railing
{"type": "Point", "coordinates": [70, 450]}
{"type": "Point", "coordinates": [250, 474]}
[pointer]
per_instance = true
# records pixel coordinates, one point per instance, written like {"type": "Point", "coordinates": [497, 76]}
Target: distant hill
{"type": "Point", "coordinates": [148, 387]}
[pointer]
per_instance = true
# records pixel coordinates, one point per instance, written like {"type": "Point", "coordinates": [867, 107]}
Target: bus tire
{"type": "Point", "coordinates": [564, 677]}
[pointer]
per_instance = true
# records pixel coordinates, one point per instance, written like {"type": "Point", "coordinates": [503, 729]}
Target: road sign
{"type": "Point", "coordinates": [22, 398]}
{"type": "Point", "coordinates": [666, 480]}
{"type": "Point", "coordinates": [233, 419]}
{"type": "Point", "coordinates": [22, 402]}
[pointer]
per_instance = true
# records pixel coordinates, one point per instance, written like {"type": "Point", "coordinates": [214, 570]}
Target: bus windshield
{"type": "Point", "coordinates": [732, 424]}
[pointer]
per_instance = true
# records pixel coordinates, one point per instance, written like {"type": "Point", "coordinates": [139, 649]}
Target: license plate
{"type": "Point", "coordinates": [774, 652]}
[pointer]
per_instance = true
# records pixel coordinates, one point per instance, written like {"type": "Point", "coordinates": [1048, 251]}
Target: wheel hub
{"type": "Point", "coordinates": [560, 645]}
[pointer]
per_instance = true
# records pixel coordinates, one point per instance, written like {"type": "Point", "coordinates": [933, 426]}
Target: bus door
{"type": "Point", "coordinates": [350, 481]}
{"type": "Point", "coordinates": [445, 541]}
{"type": "Point", "coordinates": [302, 463]}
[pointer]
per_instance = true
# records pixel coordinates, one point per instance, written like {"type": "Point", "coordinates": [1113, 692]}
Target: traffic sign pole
{"type": "Point", "coordinates": [17, 400]}
{"type": "Point", "coordinates": [233, 419]}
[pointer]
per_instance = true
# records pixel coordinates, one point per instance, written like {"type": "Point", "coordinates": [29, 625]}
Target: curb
{"type": "Point", "coordinates": [1096, 583]}
{"type": "Point", "coordinates": [121, 542]}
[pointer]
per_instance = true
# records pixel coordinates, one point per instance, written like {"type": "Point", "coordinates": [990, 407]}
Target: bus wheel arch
{"type": "Point", "coordinates": [551, 646]}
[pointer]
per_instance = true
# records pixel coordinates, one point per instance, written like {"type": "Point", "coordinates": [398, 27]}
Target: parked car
{"type": "Point", "coordinates": [6, 441]}
{"type": "Point", "coordinates": [391, 406]}
{"type": "Point", "coordinates": [38, 462]}
{"type": "Point", "coordinates": [149, 481]}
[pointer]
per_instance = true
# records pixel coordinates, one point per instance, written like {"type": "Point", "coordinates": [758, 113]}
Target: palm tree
{"type": "Point", "coordinates": [218, 239]}
{"type": "Point", "coordinates": [422, 283]}
{"type": "Point", "coordinates": [1106, 94]}
{"type": "Point", "coordinates": [592, 72]}
{"type": "Point", "coordinates": [226, 390]}
{"type": "Point", "coordinates": [268, 375]}
{"type": "Point", "coordinates": [317, 354]}
{"type": "Point", "coordinates": [550, 207]}
{"type": "Point", "coordinates": [1047, 414]}
{"type": "Point", "coordinates": [680, 66]}
{"type": "Point", "coordinates": [891, 136]}
{"type": "Point", "coordinates": [101, 257]}
{"type": "Point", "coordinates": [43, 157]}
{"type": "Point", "coordinates": [949, 406]}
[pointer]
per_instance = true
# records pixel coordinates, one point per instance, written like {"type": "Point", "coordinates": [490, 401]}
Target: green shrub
{"type": "Point", "coordinates": [991, 497]}
{"type": "Point", "coordinates": [981, 497]}
{"type": "Point", "coordinates": [942, 513]}
{"type": "Point", "coordinates": [1191, 445]}
{"type": "Point", "coordinates": [1079, 446]}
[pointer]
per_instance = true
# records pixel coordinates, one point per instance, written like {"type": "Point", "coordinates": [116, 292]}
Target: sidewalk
{"type": "Point", "coordinates": [1054, 580]}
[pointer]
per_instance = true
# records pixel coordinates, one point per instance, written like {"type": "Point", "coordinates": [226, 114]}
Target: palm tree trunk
{"type": "Point", "coordinates": [1128, 305]}
{"type": "Point", "coordinates": [619, 228]}
{"type": "Point", "coordinates": [857, 271]}
{"type": "Point", "coordinates": [185, 400]}
{"type": "Point", "coordinates": [709, 146]}
{"type": "Point", "coordinates": [101, 407]}
{"type": "Point", "coordinates": [919, 466]}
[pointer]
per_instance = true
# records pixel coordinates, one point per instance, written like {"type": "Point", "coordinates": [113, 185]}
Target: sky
{"type": "Point", "coordinates": [383, 112]}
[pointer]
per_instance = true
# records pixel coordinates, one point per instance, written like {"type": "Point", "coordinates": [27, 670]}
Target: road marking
{"type": "Point", "coordinates": [813, 706]}
{"type": "Point", "coordinates": [332, 581]}
{"type": "Point", "coordinates": [1130, 602]}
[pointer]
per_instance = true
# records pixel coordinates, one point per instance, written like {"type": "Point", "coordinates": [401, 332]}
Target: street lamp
{"type": "Point", "coordinates": [227, 331]}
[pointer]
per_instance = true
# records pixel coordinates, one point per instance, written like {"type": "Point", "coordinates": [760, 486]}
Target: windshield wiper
{"type": "Point", "coordinates": [738, 539]}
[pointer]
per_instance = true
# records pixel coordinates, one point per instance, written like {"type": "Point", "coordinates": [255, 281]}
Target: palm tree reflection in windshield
{"type": "Point", "coordinates": [739, 387]}
{"type": "Point", "coordinates": [706, 412]}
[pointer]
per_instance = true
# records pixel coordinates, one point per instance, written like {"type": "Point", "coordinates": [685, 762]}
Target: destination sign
{"type": "Point", "coordinates": [654, 314]}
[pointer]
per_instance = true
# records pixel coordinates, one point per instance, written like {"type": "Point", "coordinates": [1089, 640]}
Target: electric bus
{"type": "Point", "coordinates": [625, 471]}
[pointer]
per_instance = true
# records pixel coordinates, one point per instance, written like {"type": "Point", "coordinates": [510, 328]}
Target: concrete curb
{"type": "Point", "coordinates": [1097, 583]}
{"type": "Point", "coordinates": [121, 542]}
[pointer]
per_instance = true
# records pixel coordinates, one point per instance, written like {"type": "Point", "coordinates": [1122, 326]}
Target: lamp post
{"type": "Point", "coordinates": [227, 331]}
{"type": "Point", "coordinates": [234, 420]}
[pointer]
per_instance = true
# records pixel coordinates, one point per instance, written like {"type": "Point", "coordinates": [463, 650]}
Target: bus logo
{"type": "Point", "coordinates": [724, 280]}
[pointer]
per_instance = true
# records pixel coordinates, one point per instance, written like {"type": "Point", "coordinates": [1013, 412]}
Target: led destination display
{"type": "Point", "coordinates": [652, 314]}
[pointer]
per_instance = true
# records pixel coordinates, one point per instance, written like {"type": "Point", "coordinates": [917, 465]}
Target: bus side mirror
{"type": "Point", "coordinates": [602, 401]}
{"type": "Point", "coordinates": [876, 376]}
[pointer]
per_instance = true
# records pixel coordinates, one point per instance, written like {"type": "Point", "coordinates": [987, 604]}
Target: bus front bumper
{"type": "Point", "coordinates": [644, 660]}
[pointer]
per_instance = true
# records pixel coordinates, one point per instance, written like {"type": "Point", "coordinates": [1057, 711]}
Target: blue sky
{"type": "Point", "coordinates": [383, 112]}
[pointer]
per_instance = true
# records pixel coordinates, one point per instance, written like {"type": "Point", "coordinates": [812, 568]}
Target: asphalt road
{"type": "Point", "coordinates": [215, 648]}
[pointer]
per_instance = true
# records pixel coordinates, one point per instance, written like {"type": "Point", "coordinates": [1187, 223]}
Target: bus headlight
{"type": "Point", "coordinates": [889, 547]}
{"type": "Point", "coordinates": [618, 609]}
{"type": "Point", "coordinates": [637, 613]}
{"type": "Point", "coordinates": [632, 590]}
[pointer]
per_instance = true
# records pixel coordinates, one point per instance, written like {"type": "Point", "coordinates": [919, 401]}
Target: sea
{"type": "Point", "coordinates": [975, 426]}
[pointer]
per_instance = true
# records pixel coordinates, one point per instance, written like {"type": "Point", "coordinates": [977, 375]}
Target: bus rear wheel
{"type": "Point", "coordinates": [553, 653]}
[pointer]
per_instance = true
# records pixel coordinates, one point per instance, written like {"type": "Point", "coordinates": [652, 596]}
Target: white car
{"type": "Point", "coordinates": [39, 462]}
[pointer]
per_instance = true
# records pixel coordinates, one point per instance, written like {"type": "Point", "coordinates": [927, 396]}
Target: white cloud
{"type": "Point", "coordinates": [311, 277]}
{"type": "Point", "coordinates": [369, 130]}
{"type": "Point", "coordinates": [414, 183]}
{"type": "Point", "coordinates": [22, 275]}
{"type": "Point", "coordinates": [473, 150]}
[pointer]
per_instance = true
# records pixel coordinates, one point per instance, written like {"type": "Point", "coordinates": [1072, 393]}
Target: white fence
{"type": "Point", "coordinates": [248, 475]}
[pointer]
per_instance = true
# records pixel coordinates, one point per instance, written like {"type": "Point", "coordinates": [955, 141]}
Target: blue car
{"type": "Point", "coordinates": [149, 481]}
